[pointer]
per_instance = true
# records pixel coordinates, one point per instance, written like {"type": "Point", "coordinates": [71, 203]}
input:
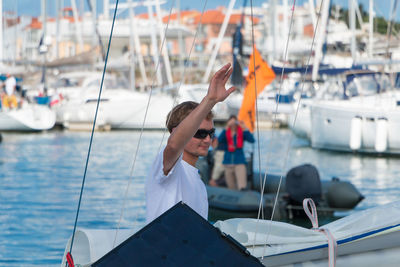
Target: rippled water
{"type": "Point", "coordinates": [41, 176]}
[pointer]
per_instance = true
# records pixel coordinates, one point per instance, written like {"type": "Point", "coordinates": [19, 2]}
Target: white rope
{"type": "Point", "coordinates": [311, 212]}
{"type": "Point", "coordinates": [257, 122]}
{"type": "Point", "coordinates": [141, 131]}
{"type": "Point", "coordinates": [260, 207]}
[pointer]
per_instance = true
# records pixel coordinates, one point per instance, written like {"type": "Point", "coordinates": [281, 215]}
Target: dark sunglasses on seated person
{"type": "Point", "coordinates": [202, 133]}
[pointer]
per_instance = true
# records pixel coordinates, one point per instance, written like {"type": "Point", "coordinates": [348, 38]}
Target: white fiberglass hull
{"type": "Point", "coordinates": [28, 118]}
{"type": "Point", "coordinates": [366, 125]}
{"type": "Point", "coordinates": [366, 238]}
{"type": "Point", "coordinates": [300, 120]}
{"type": "Point", "coordinates": [120, 109]}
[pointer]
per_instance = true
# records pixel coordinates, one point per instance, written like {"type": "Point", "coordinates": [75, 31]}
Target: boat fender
{"type": "Point", "coordinates": [303, 182]}
{"type": "Point", "coordinates": [355, 133]}
{"type": "Point", "coordinates": [342, 194]}
{"type": "Point", "coordinates": [381, 134]}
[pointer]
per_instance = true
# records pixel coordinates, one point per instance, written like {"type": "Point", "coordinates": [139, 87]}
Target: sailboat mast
{"type": "Point", "coordinates": [371, 28]}
{"type": "Point", "coordinates": [1, 33]}
{"type": "Point", "coordinates": [285, 31]}
{"type": "Point", "coordinates": [352, 22]}
{"type": "Point", "coordinates": [77, 25]}
{"type": "Point", "coordinates": [180, 39]}
{"type": "Point", "coordinates": [219, 41]}
{"type": "Point", "coordinates": [274, 30]}
{"type": "Point", "coordinates": [237, 51]}
{"type": "Point", "coordinates": [131, 48]}
{"type": "Point", "coordinates": [163, 48]}
{"type": "Point", "coordinates": [154, 42]}
{"type": "Point", "coordinates": [44, 17]}
{"type": "Point", "coordinates": [94, 21]}
{"type": "Point", "coordinates": [320, 38]}
{"type": "Point", "coordinates": [312, 13]}
{"type": "Point", "coordinates": [58, 32]}
{"type": "Point", "coordinates": [390, 27]}
{"type": "Point", "coordinates": [106, 8]}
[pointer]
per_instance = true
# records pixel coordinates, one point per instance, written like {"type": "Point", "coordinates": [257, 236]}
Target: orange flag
{"type": "Point", "coordinates": [261, 77]}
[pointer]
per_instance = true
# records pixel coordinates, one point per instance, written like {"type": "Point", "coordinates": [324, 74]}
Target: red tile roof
{"type": "Point", "coordinates": [186, 14]}
{"type": "Point", "coordinates": [35, 24]}
{"type": "Point", "coordinates": [217, 17]}
{"type": "Point", "coordinates": [209, 17]}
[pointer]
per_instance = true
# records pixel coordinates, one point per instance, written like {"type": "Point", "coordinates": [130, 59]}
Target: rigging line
{"type": "Point", "coordinates": [184, 71]}
{"type": "Point", "coordinates": [255, 89]}
{"type": "Point", "coordinates": [93, 128]}
{"type": "Point", "coordinates": [142, 128]}
{"type": "Point", "coordinates": [294, 123]}
{"type": "Point", "coordinates": [263, 181]}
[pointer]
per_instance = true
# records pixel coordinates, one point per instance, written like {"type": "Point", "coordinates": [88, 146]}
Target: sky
{"type": "Point", "coordinates": [33, 7]}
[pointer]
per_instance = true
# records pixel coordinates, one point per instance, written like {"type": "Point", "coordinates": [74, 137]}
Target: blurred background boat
{"type": "Point", "coordinates": [28, 118]}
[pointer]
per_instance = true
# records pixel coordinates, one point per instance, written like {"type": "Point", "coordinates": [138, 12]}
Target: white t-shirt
{"type": "Point", "coordinates": [10, 85]}
{"type": "Point", "coordinates": [182, 183]}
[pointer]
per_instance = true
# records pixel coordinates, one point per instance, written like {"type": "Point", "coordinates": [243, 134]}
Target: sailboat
{"type": "Point", "coordinates": [30, 117]}
{"type": "Point", "coordinates": [366, 238]}
{"type": "Point", "coordinates": [365, 122]}
{"type": "Point", "coordinates": [360, 237]}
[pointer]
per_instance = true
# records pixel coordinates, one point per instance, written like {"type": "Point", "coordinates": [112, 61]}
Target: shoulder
{"type": "Point", "coordinates": [157, 169]}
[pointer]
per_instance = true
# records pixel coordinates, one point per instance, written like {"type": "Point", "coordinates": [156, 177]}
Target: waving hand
{"type": "Point", "coordinates": [217, 91]}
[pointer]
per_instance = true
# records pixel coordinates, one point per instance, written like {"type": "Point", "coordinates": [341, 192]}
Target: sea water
{"type": "Point", "coordinates": [41, 177]}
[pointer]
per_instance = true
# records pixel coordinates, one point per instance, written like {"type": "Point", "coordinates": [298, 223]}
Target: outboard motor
{"type": "Point", "coordinates": [303, 182]}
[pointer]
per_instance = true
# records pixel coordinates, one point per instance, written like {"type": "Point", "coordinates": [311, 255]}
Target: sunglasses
{"type": "Point", "coordinates": [203, 133]}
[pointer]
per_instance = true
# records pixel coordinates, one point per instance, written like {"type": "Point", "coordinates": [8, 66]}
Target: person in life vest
{"type": "Point", "coordinates": [233, 138]}
{"type": "Point", "coordinates": [9, 99]}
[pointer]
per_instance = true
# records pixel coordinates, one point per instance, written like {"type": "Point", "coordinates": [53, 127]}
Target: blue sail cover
{"type": "Point", "coordinates": [179, 237]}
{"type": "Point", "coordinates": [323, 69]}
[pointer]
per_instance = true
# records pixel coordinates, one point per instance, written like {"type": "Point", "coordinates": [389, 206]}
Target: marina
{"type": "Point", "coordinates": [305, 101]}
{"type": "Point", "coordinates": [41, 176]}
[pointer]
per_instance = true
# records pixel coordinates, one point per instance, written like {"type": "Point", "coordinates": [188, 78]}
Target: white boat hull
{"type": "Point", "coordinates": [300, 121]}
{"type": "Point", "coordinates": [27, 118]}
{"type": "Point", "coordinates": [120, 109]}
{"type": "Point", "coordinates": [384, 248]}
{"type": "Point", "coordinates": [334, 126]}
{"type": "Point", "coordinates": [366, 238]}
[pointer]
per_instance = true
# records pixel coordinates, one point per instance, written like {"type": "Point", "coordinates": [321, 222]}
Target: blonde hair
{"type": "Point", "coordinates": [180, 112]}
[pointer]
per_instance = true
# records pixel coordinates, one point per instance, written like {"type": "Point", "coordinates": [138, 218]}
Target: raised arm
{"type": "Point", "coordinates": [182, 134]}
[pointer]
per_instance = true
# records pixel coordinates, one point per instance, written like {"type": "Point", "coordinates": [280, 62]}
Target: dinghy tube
{"type": "Point", "coordinates": [355, 133]}
{"type": "Point", "coordinates": [381, 134]}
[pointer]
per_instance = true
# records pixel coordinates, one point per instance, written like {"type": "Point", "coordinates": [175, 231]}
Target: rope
{"type": "Point", "coordinates": [294, 123]}
{"type": "Point", "coordinates": [273, 122]}
{"type": "Point", "coordinates": [308, 204]}
{"type": "Point", "coordinates": [93, 128]}
{"type": "Point", "coordinates": [141, 130]}
{"type": "Point", "coordinates": [255, 88]}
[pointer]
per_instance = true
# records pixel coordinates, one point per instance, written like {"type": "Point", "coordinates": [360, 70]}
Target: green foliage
{"type": "Point", "coordinates": [380, 23]}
